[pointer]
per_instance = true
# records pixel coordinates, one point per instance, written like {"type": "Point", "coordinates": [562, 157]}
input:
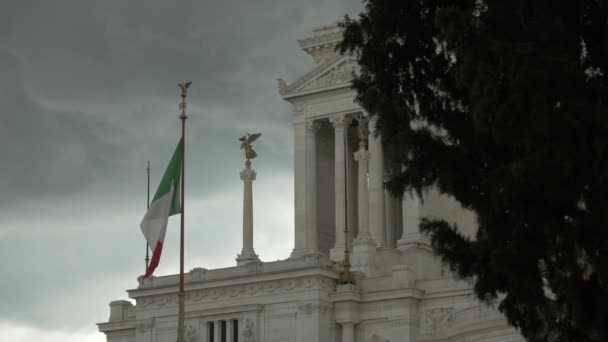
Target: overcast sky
{"type": "Point", "coordinates": [88, 94]}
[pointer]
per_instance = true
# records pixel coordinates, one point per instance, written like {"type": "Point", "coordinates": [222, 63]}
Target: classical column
{"type": "Point", "coordinates": [312, 228]}
{"type": "Point", "coordinates": [410, 206]}
{"type": "Point", "coordinates": [340, 123]}
{"type": "Point", "coordinates": [398, 218]}
{"type": "Point", "coordinates": [389, 202]}
{"type": "Point", "coordinates": [364, 247]}
{"type": "Point", "coordinates": [299, 170]}
{"type": "Point", "coordinates": [376, 185]}
{"type": "Point", "coordinates": [247, 254]}
{"type": "Point", "coordinates": [362, 157]}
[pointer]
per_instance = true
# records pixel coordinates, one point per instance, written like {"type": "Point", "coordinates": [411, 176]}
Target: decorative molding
{"type": "Point", "coordinates": [299, 108]}
{"type": "Point", "coordinates": [223, 311]}
{"type": "Point", "coordinates": [240, 291]}
{"type": "Point", "coordinates": [378, 338]}
{"type": "Point", "coordinates": [308, 43]}
{"type": "Point", "coordinates": [439, 318]}
{"type": "Point", "coordinates": [314, 307]}
{"type": "Point", "coordinates": [144, 325]}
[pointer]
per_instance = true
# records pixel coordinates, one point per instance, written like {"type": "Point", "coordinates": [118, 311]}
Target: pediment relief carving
{"type": "Point", "coordinates": [334, 70]}
{"type": "Point", "coordinates": [339, 74]}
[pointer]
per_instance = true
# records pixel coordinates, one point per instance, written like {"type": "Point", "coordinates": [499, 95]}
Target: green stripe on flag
{"type": "Point", "coordinates": [172, 177]}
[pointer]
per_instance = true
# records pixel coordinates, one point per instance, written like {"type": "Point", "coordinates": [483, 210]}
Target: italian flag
{"type": "Point", "coordinates": [166, 202]}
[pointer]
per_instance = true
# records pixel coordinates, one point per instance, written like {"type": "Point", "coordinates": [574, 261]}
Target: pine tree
{"type": "Point", "coordinates": [502, 104]}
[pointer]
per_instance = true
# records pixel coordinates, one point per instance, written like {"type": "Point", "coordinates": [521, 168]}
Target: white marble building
{"type": "Point", "coordinates": [401, 290]}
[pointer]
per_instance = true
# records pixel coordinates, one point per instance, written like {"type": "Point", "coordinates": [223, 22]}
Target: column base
{"type": "Point", "coordinates": [363, 239]}
{"type": "Point", "coordinates": [412, 240]}
{"type": "Point", "coordinates": [364, 256]}
{"type": "Point", "coordinates": [296, 253]}
{"type": "Point", "coordinates": [337, 253]}
{"type": "Point", "coordinates": [246, 257]}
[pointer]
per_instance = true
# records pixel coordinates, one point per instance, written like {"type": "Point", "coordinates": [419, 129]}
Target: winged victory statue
{"type": "Point", "coordinates": [246, 142]}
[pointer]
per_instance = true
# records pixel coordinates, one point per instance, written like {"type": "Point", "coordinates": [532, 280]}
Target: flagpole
{"type": "Point", "coordinates": [346, 277]}
{"type": "Point", "coordinates": [148, 207]}
{"type": "Point", "coordinates": [181, 312]}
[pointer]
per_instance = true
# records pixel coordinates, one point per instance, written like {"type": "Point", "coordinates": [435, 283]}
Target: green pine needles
{"type": "Point", "coordinates": [502, 104]}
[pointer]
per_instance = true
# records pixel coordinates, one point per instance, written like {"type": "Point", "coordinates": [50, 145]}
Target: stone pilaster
{"type": "Point", "coordinates": [377, 222]}
{"type": "Point", "coordinates": [247, 254]}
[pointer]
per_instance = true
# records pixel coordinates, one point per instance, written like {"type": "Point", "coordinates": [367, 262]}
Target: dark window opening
{"type": "Point", "coordinates": [211, 330]}
{"type": "Point", "coordinates": [235, 330]}
{"type": "Point", "coordinates": [223, 331]}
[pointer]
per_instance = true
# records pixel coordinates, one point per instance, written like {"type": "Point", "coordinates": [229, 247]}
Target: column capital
{"type": "Point", "coordinates": [312, 126]}
{"type": "Point", "coordinates": [248, 174]}
{"type": "Point", "coordinates": [340, 120]}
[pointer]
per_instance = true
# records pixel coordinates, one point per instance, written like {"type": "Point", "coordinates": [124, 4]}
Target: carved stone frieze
{"type": "Point", "coordinates": [237, 291]}
{"type": "Point", "coordinates": [439, 318]}
{"type": "Point", "coordinates": [310, 308]}
{"type": "Point", "coordinates": [191, 333]}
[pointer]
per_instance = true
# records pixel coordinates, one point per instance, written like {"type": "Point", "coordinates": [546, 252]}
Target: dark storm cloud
{"type": "Point", "coordinates": [117, 62]}
{"type": "Point", "coordinates": [88, 94]}
{"type": "Point", "coordinates": [45, 152]}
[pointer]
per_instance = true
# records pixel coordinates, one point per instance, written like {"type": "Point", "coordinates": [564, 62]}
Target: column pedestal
{"type": "Point", "coordinates": [346, 310]}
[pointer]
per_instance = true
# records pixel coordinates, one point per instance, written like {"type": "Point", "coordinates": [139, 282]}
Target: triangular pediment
{"type": "Point", "coordinates": [336, 70]}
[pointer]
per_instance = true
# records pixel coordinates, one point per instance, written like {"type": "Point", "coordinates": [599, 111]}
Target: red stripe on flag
{"type": "Point", "coordinates": [155, 259]}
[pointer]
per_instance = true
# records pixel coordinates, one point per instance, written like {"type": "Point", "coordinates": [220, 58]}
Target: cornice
{"type": "Point", "coordinates": [116, 326]}
{"type": "Point", "coordinates": [247, 290]}
{"type": "Point", "coordinates": [287, 89]}
{"type": "Point", "coordinates": [199, 278]}
{"type": "Point", "coordinates": [308, 43]}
